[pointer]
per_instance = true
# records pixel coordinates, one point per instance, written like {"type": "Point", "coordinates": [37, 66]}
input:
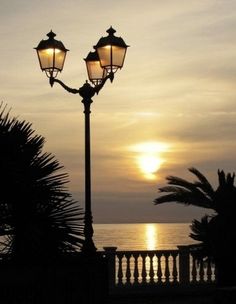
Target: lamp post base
{"type": "Point", "coordinates": [88, 247]}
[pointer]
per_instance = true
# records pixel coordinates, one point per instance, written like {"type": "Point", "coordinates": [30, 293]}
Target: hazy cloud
{"type": "Point", "coordinates": [177, 86]}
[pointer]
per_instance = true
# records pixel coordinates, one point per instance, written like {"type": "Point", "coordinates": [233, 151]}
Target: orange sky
{"type": "Point", "coordinates": [177, 89]}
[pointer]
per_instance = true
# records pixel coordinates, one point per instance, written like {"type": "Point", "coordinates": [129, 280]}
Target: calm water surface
{"type": "Point", "coordinates": [142, 236]}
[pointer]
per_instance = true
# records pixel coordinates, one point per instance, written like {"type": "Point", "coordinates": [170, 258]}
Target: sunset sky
{"type": "Point", "coordinates": [171, 107]}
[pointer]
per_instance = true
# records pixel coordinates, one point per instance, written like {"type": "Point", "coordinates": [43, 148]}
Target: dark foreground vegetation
{"type": "Point", "coordinates": [39, 220]}
{"type": "Point", "coordinates": [68, 280]}
{"type": "Point", "coordinates": [41, 226]}
{"type": "Point", "coordinates": [215, 232]}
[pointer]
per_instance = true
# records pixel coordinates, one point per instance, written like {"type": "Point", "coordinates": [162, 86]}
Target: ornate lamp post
{"type": "Point", "coordinates": [101, 64]}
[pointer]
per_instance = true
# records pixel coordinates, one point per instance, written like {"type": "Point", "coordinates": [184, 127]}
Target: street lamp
{"type": "Point", "coordinates": [101, 65]}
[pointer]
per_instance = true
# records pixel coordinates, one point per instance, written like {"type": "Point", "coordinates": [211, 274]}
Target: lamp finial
{"type": "Point", "coordinates": [111, 31]}
{"type": "Point", "coordinates": [51, 35]}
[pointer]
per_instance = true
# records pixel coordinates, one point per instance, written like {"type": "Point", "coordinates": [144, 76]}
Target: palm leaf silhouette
{"type": "Point", "coordinates": [38, 216]}
{"type": "Point", "coordinates": [199, 193]}
{"type": "Point", "coordinates": [216, 233]}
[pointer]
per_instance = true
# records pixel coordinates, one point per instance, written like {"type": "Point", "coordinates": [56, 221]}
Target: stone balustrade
{"type": "Point", "coordinates": [180, 267]}
{"type": "Point", "coordinates": [149, 270]}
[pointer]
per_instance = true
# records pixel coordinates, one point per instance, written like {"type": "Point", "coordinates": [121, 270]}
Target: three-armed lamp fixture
{"type": "Point", "coordinates": [108, 57]}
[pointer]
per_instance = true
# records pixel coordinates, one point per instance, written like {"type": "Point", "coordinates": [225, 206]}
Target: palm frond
{"type": "Point", "coordinates": [196, 186]}
{"type": "Point", "coordinates": [179, 190]}
{"type": "Point", "coordinates": [189, 195]}
{"type": "Point", "coordinates": [185, 197]}
{"type": "Point", "coordinates": [199, 229]}
{"type": "Point", "coordinates": [204, 184]}
{"type": "Point", "coordinates": [180, 182]}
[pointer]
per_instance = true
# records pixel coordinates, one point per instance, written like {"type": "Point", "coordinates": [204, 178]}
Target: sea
{"type": "Point", "coordinates": [145, 236]}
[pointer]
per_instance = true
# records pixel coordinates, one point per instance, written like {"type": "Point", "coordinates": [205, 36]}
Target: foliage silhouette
{"type": "Point", "coordinates": [216, 232]}
{"type": "Point", "coordinates": [38, 218]}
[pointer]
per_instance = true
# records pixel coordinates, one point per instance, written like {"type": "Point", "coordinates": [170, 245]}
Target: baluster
{"type": "Point", "coordinates": [215, 274]}
{"type": "Point", "coordinates": [201, 271]}
{"type": "Point", "coordinates": [213, 271]}
{"type": "Point", "coordinates": [194, 269]}
{"type": "Point", "coordinates": [136, 272]}
{"type": "Point", "coordinates": [151, 271]}
{"type": "Point", "coordinates": [175, 272]}
{"type": "Point", "coordinates": [128, 272]}
{"type": "Point", "coordinates": [167, 269]}
{"type": "Point", "coordinates": [209, 270]}
{"type": "Point", "coordinates": [120, 271]}
{"type": "Point", "coordinates": [144, 272]}
{"type": "Point", "coordinates": [159, 270]}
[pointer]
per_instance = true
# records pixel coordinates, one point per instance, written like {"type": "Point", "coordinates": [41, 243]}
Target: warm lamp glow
{"type": "Point", "coordinates": [51, 51]}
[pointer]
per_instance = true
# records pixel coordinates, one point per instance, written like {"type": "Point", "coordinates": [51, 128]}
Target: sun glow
{"type": "Point", "coordinates": [149, 164]}
{"type": "Point", "coordinates": [151, 147]}
{"type": "Point", "coordinates": [149, 157]}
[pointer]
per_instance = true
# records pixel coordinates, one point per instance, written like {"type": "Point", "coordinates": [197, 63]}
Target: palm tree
{"type": "Point", "coordinates": [216, 232]}
{"type": "Point", "coordinates": [39, 220]}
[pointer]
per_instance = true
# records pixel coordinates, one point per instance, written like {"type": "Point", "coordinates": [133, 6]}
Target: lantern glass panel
{"type": "Point", "coordinates": [111, 57]}
{"type": "Point", "coordinates": [95, 72]}
{"type": "Point", "coordinates": [51, 58]}
{"type": "Point", "coordinates": [118, 56]}
{"type": "Point", "coordinates": [104, 54]}
{"type": "Point", "coordinates": [59, 59]}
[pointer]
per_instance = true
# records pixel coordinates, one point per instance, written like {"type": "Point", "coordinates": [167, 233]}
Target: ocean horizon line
{"type": "Point", "coordinates": [126, 223]}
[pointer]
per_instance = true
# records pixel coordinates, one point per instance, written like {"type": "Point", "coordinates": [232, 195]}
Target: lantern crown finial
{"type": "Point", "coordinates": [51, 35]}
{"type": "Point", "coordinates": [111, 31]}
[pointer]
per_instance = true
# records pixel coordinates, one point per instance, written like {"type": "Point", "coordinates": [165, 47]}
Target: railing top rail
{"type": "Point", "coordinates": [164, 251]}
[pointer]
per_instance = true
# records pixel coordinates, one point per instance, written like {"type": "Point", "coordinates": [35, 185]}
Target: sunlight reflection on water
{"type": "Point", "coordinates": [151, 236]}
{"type": "Point", "coordinates": [142, 236]}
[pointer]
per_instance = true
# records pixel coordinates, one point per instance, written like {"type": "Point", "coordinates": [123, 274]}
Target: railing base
{"type": "Point", "coordinates": [181, 295]}
{"type": "Point", "coordinates": [162, 289]}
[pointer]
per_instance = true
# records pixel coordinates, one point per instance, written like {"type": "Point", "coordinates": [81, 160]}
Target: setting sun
{"type": "Point", "coordinates": [149, 164]}
{"type": "Point", "coordinates": [149, 157]}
